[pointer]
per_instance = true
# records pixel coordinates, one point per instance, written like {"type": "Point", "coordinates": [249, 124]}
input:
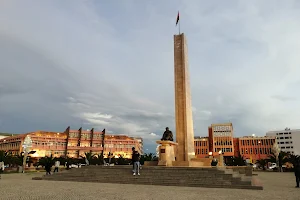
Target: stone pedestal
{"type": "Point", "coordinates": [166, 153]}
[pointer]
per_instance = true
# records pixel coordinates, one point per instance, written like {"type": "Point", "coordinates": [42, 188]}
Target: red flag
{"type": "Point", "coordinates": [177, 20]}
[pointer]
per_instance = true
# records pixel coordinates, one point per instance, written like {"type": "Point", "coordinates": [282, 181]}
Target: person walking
{"type": "Point", "coordinates": [297, 173]}
{"type": "Point", "coordinates": [136, 162]}
{"type": "Point", "coordinates": [48, 168]}
{"type": "Point", "coordinates": [56, 166]}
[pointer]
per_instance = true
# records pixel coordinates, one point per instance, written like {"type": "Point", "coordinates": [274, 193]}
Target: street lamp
{"type": "Point", "coordinates": [259, 148]}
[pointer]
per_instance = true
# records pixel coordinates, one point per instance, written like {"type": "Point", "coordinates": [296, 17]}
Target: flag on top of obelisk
{"type": "Point", "coordinates": [177, 20]}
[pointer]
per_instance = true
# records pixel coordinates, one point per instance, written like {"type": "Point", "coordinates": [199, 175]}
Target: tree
{"type": "Point", "coordinates": [262, 163]}
{"type": "Point", "coordinates": [46, 161]}
{"type": "Point", "coordinates": [148, 157]}
{"type": "Point", "coordinates": [294, 159]}
{"type": "Point", "coordinates": [283, 158]}
{"type": "Point", "coordinates": [89, 156]}
{"type": "Point", "coordinates": [5, 157]}
{"type": "Point", "coordinates": [122, 161]}
{"type": "Point", "coordinates": [238, 161]}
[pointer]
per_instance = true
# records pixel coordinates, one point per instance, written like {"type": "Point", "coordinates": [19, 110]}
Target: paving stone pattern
{"type": "Point", "coordinates": [20, 186]}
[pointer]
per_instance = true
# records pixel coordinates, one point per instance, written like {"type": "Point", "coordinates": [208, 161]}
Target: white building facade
{"type": "Point", "coordinates": [288, 140]}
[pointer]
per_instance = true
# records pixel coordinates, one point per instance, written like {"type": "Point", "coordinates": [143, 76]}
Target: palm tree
{"type": "Point", "coordinates": [46, 161]}
{"type": "Point", "coordinates": [149, 156]}
{"type": "Point", "coordinates": [238, 161]}
{"type": "Point", "coordinates": [262, 163]}
{"type": "Point", "coordinates": [294, 159]}
{"type": "Point", "coordinates": [283, 158]}
{"type": "Point", "coordinates": [88, 156]}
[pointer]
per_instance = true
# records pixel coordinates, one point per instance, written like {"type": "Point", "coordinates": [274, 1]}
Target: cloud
{"type": "Point", "coordinates": [96, 64]}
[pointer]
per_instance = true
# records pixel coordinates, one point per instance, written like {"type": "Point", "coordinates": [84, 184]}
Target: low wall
{"type": "Point", "coordinates": [150, 163]}
{"type": "Point", "coordinates": [247, 170]}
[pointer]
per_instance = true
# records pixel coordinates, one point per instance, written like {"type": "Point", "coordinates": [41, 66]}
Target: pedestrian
{"type": "Point", "coordinates": [136, 162]}
{"type": "Point", "coordinates": [297, 173]}
{"type": "Point", "coordinates": [133, 149]}
{"type": "Point", "coordinates": [2, 167]}
{"type": "Point", "coordinates": [48, 168]}
{"type": "Point", "coordinates": [56, 165]}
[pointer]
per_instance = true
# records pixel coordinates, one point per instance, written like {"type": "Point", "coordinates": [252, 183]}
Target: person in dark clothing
{"type": "Point", "coordinates": [297, 173]}
{"type": "Point", "coordinates": [133, 149]}
{"type": "Point", "coordinates": [48, 169]}
{"type": "Point", "coordinates": [136, 162]}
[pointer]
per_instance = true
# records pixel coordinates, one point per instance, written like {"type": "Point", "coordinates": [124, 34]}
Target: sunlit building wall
{"type": "Point", "coordinates": [72, 143]}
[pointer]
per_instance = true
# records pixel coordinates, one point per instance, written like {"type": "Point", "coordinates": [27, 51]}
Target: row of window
{"type": "Point", "coordinates": [288, 142]}
{"type": "Point", "coordinates": [223, 143]}
{"type": "Point", "coordinates": [281, 138]}
{"type": "Point", "coordinates": [288, 133]}
{"type": "Point", "coordinates": [201, 143]}
{"type": "Point", "coordinates": [257, 142]}
{"type": "Point", "coordinates": [202, 151]}
{"type": "Point", "coordinates": [288, 147]}
{"type": "Point", "coordinates": [256, 151]}
{"type": "Point", "coordinates": [223, 149]}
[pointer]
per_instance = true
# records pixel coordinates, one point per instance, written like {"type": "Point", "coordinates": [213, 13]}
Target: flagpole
{"type": "Point", "coordinates": [179, 26]}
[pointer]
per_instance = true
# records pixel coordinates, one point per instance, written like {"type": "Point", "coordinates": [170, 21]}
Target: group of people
{"type": "Point", "coordinates": [48, 167]}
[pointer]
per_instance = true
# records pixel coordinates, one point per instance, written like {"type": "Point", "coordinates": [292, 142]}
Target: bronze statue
{"type": "Point", "coordinates": [168, 135]}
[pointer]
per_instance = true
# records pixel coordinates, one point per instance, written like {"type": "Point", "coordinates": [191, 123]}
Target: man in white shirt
{"type": "Point", "coordinates": [56, 165]}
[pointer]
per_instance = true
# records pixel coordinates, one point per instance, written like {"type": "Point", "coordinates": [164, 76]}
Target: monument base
{"type": "Point", "coordinates": [166, 153]}
{"type": "Point", "coordinates": [191, 163]}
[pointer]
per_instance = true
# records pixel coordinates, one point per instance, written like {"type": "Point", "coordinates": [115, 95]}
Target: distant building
{"type": "Point", "coordinates": [72, 143]}
{"type": "Point", "coordinates": [141, 144]}
{"type": "Point", "coordinates": [288, 140]}
{"type": "Point", "coordinates": [4, 135]}
{"type": "Point", "coordinates": [221, 137]}
{"type": "Point", "coordinates": [201, 146]}
{"type": "Point", "coordinates": [256, 148]}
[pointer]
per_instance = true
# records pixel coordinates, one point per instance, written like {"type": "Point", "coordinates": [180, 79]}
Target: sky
{"type": "Point", "coordinates": [109, 64]}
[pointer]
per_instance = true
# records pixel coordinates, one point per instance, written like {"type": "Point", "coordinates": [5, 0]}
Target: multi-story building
{"type": "Point", "coordinates": [201, 146]}
{"type": "Point", "coordinates": [256, 148]}
{"type": "Point", "coordinates": [4, 135]}
{"type": "Point", "coordinates": [72, 143]}
{"type": "Point", "coordinates": [288, 140]}
{"type": "Point", "coordinates": [141, 144]}
{"type": "Point", "coordinates": [221, 138]}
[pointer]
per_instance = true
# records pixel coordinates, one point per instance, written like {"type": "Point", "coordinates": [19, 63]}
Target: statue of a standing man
{"type": "Point", "coordinates": [168, 135]}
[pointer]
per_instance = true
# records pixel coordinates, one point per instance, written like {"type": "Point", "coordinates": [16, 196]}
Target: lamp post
{"type": "Point", "coordinates": [221, 158]}
{"type": "Point", "coordinates": [259, 148]}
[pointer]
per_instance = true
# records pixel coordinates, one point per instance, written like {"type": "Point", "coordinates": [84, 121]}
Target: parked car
{"type": "Point", "coordinates": [274, 166]}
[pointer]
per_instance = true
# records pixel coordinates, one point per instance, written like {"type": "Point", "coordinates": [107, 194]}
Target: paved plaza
{"type": "Point", "coordinates": [20, 186]}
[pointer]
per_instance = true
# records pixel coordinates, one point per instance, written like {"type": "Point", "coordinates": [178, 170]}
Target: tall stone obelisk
{"type": "Point", "coordinates": [183, 104]}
